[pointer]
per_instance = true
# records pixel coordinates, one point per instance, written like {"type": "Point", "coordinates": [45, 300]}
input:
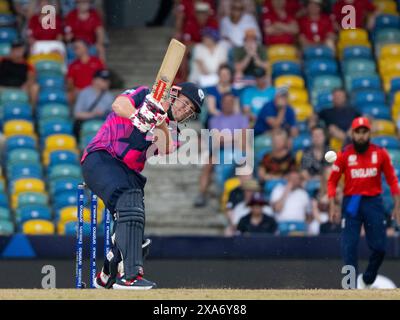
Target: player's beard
{"type": "Point", "coordinates": [361, 147]}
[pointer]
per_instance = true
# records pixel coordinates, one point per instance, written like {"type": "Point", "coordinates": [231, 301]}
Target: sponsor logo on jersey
{"type": "Point", "coordinates": [352, 160]}
{"type": "Point", "coordinates": [364, 173]}
{"type": "Point", "coordinates": [374, 157]}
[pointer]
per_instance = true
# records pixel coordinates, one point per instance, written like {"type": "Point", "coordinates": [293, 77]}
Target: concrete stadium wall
{"type": "Point", "coordinates": [252, 274]}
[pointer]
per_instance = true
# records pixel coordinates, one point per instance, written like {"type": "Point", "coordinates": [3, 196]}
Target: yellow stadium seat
{"type": "Point", "coordinates": [335, 144]}
{"type": "Point", "coordinates": [386, 6]}
{"type": "Point", "coordinates": [70, 213]}
{"type": "Point", "coordinates": [28, 185]}
{"type": "Point", "coordinates": [299, 156]}
{"type": "Point", "coordinates": [38, 227]}
{"type": "Point", "coordinates": [395, 112]}
{"type": "Point", "coordinates": [303, 111]}
{"type": "Point", "coordinates": [18, 127]}
{"type": "Point", "coordinates": [56, 57]}
{"type": "Point", "coordinates": [5, 7]}
{"type": "Point", "coordinates": [298, 96]}
{"type": "Point", "coordinates": [383, 127]}
{"type": "Point", "coordinates": [229, 185]}
{"type": "Point", "coordinates": [60, 142]}
{"type": "Point", "coordinates": [347, 36]}
{"type": "Point", "coordinates": [390, 51]}
{"type": "Point", "coordinates": [290, 81]}
{"type": "Point", "coordinates": [281, 53]}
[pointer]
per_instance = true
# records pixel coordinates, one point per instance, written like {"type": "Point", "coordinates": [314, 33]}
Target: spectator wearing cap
{"type": "Point", "coordinates": [280, 161]}
{"type": "Point", "coordinates": [234, 26]}
{"type": "Point", "coordinates": [316, 28]}
{"type": "Point", "coordinates": [312, 161]}
{"type": "Point", "coordinates": [256, 221]}
{"type": "Point", "coordinates": [215, 93]}
{"type": "Point", "coordinates": [16, 72]}
{"type": "Point", "coordinates": [255, 97]}
{"type": "Point", "coordinates": [277, 114]}
{"type": "Point", "coordinates": [81, 70]}
{"type": "Point", "coordinates": [85, 23]}
{"type": "Point", "coordinates": [250, 56]}
{"type": "Point", "coordinates": [365, 13]}
{"type": "Point", "coordinates": [94, 102]}
{"type": "Point", "coordinates": [36, 32]}
{"type": "Point", "coordinates": [338, 118]}
{"type": "Point", "coordinates": [280, 27]}
{"type": "Point", "coordinates": [226, 128]}
{"type": "Point", "coordinates": [207, 57]}
{"type": "Point", "coordinates": [291, 203]}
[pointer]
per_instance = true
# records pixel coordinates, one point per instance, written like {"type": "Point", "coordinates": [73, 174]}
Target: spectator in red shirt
{"type": "Point", "coordinates": [81, 71]}
{"type": "Point", "coordinates": [316, 28]}
{"type": "Point", "coordinates": [292, 7]}
{"type": "Point", "coordinates": [36, 30]}
{"type": "Point", "coordinates": [280, 27]}
{"type": "Point", "coordinates": [85, 23]}
{"type": "Point", "coordinates": [365, 11]}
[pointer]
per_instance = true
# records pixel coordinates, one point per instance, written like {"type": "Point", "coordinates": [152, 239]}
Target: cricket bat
{"type": "Point", "coordinates": [169, 67]}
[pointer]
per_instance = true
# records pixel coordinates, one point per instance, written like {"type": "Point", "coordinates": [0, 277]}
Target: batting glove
{"type": "Point", "coordinates": [151, 114]}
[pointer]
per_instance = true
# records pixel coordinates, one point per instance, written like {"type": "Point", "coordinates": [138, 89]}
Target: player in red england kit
{"type": "Point", "coordinates": [362, 164]}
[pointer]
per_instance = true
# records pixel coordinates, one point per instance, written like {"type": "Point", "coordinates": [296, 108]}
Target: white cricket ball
{"type": "Point", "coordinates": [330, 156]}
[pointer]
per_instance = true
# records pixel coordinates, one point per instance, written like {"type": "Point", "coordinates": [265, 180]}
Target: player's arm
{"type": "Point", "coordinates": [393, 183]}
{"type": "Point", "coordinates": [123, 107]}
{"type": "Point", "coordinates": [163, 139]}
{"type": "Point", "coordinates": [337, 171]}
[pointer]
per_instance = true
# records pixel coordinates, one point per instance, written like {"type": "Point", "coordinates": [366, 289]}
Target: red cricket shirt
{"type": "Point", "coordinates": [82, 73]}
{"type": "Point", "coordinates": [83, 29]}
{"type": "Point", "coordinates": [291, 7]}
{"type": "Point", "coordinates": [363, 172]}
{"type": "Point", "coordinates": [192, 29]}
{"type": "Point", "coordinates": [316, 30]}
{"type": "Point", "coordinates": [272, 17]}
{"type": "Point", "coordinates": [362, 7]}
{"type": "Point", "coordinates": [36, 30]}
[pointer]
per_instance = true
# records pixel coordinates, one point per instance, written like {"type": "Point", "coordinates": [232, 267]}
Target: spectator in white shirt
{"type": "Point", "coordinates": [234, 26]}
{"type": "Point", "coordinates": [290, 202]}
{"type": "Point", "coordinates": [207, 57]}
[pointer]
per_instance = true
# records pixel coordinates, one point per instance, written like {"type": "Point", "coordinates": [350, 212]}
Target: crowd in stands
{"type": "Point", "coordinates": [297, 72]}
{"type": "Point", "coordinates": [54, 96]}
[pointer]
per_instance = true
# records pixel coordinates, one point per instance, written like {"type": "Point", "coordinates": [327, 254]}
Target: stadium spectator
{"type": "Point", "coordinates": [316, 28]}
{"type": "Point", "coordinates": [277, 114]}
{"type": "Point", "coordinates": [81, 71]}
{"type": "Point", "coordinates": [234, 26]}
{"type": "Point", "coordinates": [224, 7]}
{"type": "Point", "coordinates": [229, 121]}
{"type": "Point", "coordinates": [292, 8]}
{"type": "Point", "coordinates": [320, 208]}
{"type": "Point", "coordinates": [215, 93]}
{"type": "Point", "coordinates": [290, 202]}
{"type": "Point", "coordinates": [93, 102]}
{"type": "Point", "coordinates": [280, 161]}
{"type": "Point", "coordinates": [313, 162]}
{"type": "Point", "coordinates": [207, 57]}
{"type": "Point", "coordinates": [280, 27]}
{"type": "Point", "coordinates": [16, 72]}
{"type": "Point", "coordinates": [85, 23]}
{"type": "Point", "coordinates": [365, 13]}
{"type": "Point", "coordinates": [202, 17]}
{"type": "Point", "coordinates": [338, 118]}
{"type": "Point", "coordinates": [250, 56]}
{"type": "Point", "coordinates": [36, 32]}
{"type": "Point", "coordinates": [256, 221]}
{"type": "Point", "coordinates": [67, 6]}
{"type": "Point", "coordinates": [255, 97]}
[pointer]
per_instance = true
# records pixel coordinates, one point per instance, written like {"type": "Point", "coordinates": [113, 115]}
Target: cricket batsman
{"type": "Point", "coordinates": [362, 164]}
{"type": "Point", "coordinates": [111, 166]}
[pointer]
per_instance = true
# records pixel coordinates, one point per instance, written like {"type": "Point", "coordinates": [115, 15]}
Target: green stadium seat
{"type": "Point", "coordinates": [65, 171]}
{"type": "Point", "coordinates": [32, 198]}
{"type": "Point", "coordinates": [6, 228]}
{"type": "Point", "coordinates": [4, 214]}
{"type": "Point", "coordinates": [14, 95]}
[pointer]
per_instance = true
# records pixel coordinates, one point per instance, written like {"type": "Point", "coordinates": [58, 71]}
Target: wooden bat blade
{"type": "Point", "coordinates": [167, 72]}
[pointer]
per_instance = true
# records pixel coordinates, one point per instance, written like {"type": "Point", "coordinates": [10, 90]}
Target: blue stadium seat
{"type": "Point", "coordinates": [291, 227]}
{"type": "Point", "coordinates": [8, 35]}
{"type": "Point", "coordinates": [33, 212]}
{"type": "Point", "coordinates": [64, 199]}
{"type": "Point", "coordinates": [302, 126]}
{"type": "Point", "coordinates": [318, 52]}
{"type": "Point", "coordinates": [17, 142]}
{"type": "Point", "coordinates": [64, 171]}
{"type": "Point", "coordinates": [368, 97]}
{"type": "Point", "coordinates": [19, 171]}
{"type": "Point", "coordinates": [387, 35]}
{"type": "Point", "coordinates": [395, 156]}
{"type": "Point", "coordinates": [386, 142]}
{"type": "Point", "coordinates": [70, 228]}
{"type": "Point", "coordinates": [312, 186]}
{"type": "Point", "coordinates": [69, 184]}
{"type": "Point", "coordinates": [324, 100]}
{"type": "Point", "coordinates": [17, 111]}
{"type": "Point", "coordinates": [63, 157]}
{"type": "Point", "coordinates": [3, 200]}
{"type": "Point", "coordinates": [53, 111]}
{"type": "Point", "coordinates": [355, 52]}
{"type": "Point", "coordinates": [285, 68]}
{"type": "Point", "coordinates": [354, 66]}
{"type": "Point", "coordinates": [326, 82]}
{"type": "Point", "coordinates": [52, 96]}
{"type": "Point", "coordinates": [5, 214]}
{"type": "Point", "coordinates": [271, 184]}
{"type": "Point", "coordinates": [22, 155]}
{"type": "Point", "coordinates": [387, 21]}
{"type": "Point", "coordinates": [367, 82]}
{"type": "Point", "coordinates": [6, 228]}
{"type": "Point", "coordinates": [7, 20]}
{"type": "Point", "coordinates": [54, 82]}
{"type": "Point", "coordinates": [321, 67]}
{"type": "Point", "coordinates": [395, 85]}
{"type": "Point", "coordinates": [48, 68]}
{"type": "Point", "coordinates": [301, 141]}
{"type": "Point", "coordinates": [60, 126]}
{"type": "Point", "coordinates": [376, 111]}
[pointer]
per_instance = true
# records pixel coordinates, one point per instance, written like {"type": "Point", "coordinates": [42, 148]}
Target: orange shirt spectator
{"type": "Point", "coordinates": [37, 32]}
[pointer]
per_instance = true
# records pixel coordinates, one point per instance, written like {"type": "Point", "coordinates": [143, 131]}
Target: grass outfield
{"type": "Point", "coordinates": [196, 294]}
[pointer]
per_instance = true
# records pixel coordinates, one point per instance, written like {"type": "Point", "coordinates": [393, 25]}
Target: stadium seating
{"type": "Point", "coordinates": [38, 227]}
